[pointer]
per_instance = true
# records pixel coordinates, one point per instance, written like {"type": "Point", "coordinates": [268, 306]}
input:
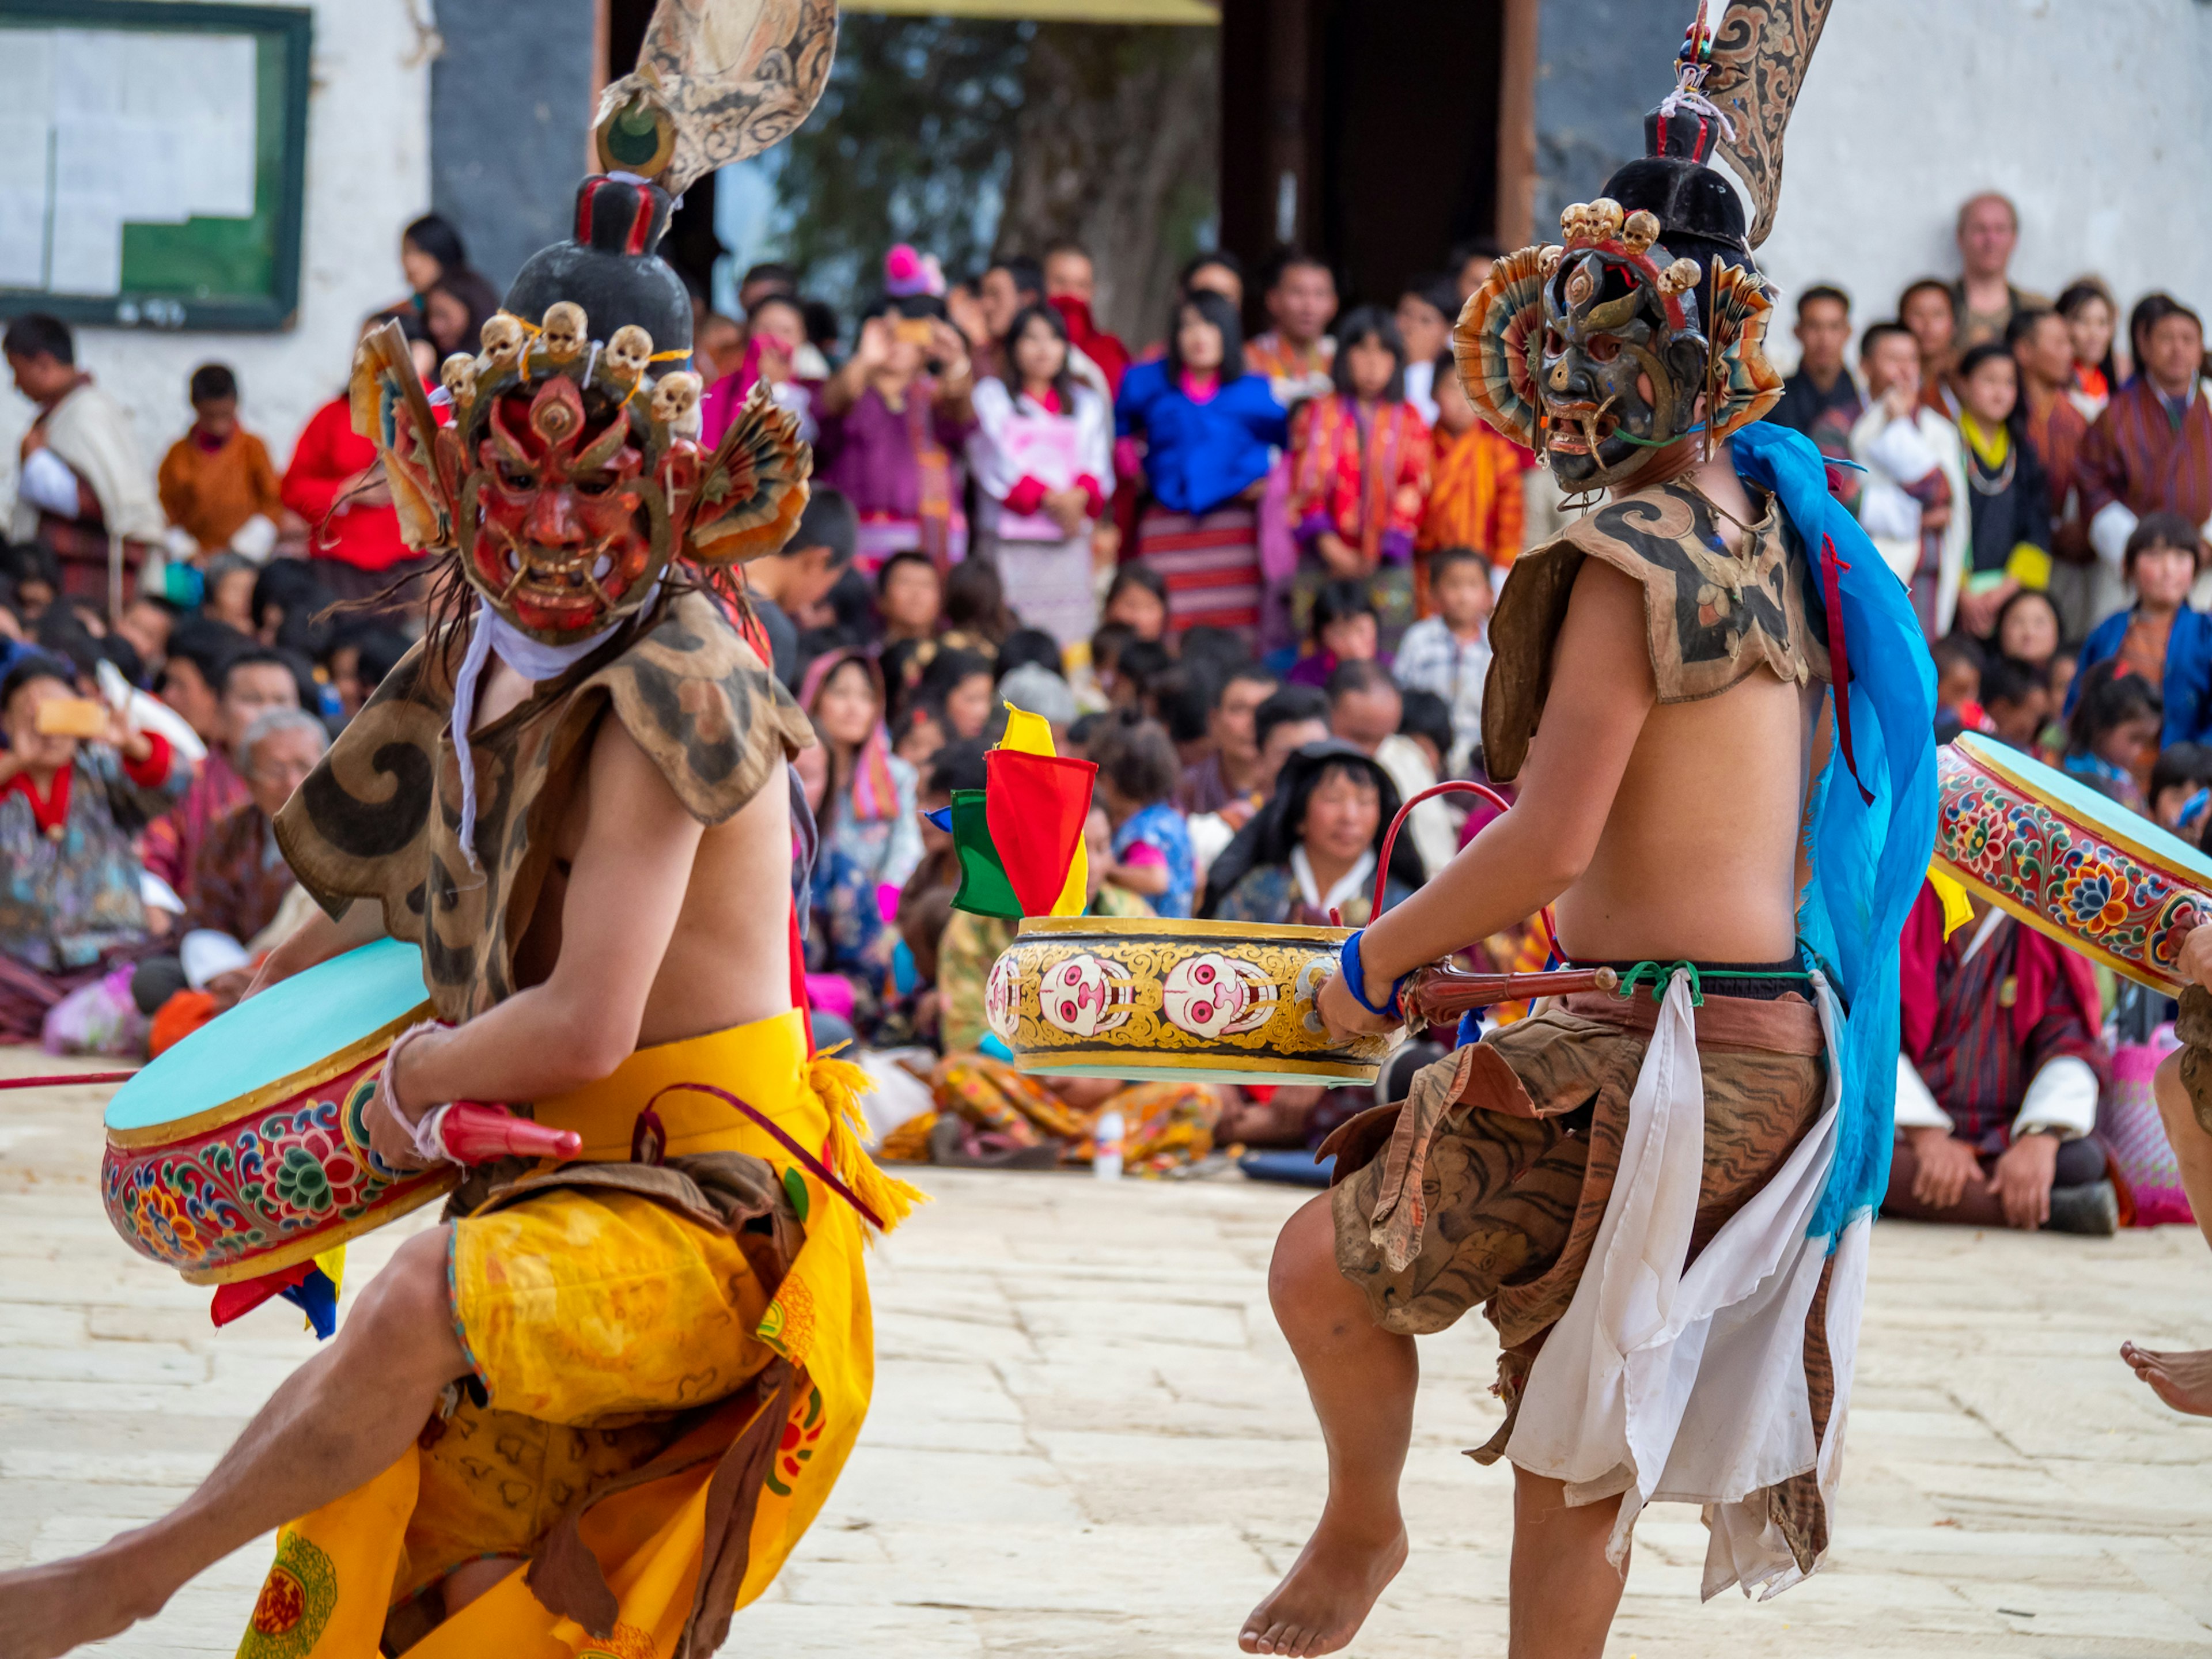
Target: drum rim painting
{"type": "Point", "coordinates": [171, 1070]}
{"type": "Point", "coordinates": [2131, 833]}
{"type": "Point", "coordinates": [1155, 1050]}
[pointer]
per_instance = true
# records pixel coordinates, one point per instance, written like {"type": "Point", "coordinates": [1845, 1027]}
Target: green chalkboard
{"type": "Point", "coordinates": [153, 161]}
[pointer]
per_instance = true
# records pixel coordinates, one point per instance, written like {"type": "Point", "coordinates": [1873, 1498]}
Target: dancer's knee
{"type": "Point", "coordinates": [1303, 1286]}
{"type": "Point", "coordinates": [404, 1315]}
{"type": "Point", "coordinates": [2172, 1094]}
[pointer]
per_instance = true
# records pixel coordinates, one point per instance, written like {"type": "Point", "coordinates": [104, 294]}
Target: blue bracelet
{"type": "Point", "coordinates": [1355, 979]}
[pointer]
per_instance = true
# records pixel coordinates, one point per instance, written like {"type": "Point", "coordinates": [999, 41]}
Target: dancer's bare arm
{"type": "Point", "coordinates": [626, 890]}
{"type": "Point", "coordinates": [1601, 692]}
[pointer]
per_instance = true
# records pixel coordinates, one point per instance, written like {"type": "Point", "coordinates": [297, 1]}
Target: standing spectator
{"type": "Point", "coordinates": [217, 482]}
{"type": "Point", "coordinates": [70, 881]}
{"type": "Point", "coordinates": [254, 681]}
{"type": "Point", "coordinates": [1010, 285]}
{"type": "Point", "coordinates": [797, 576]}
{"type": "Point", "coordinates": [1227, 780]}
{"type": "Point", "coordinates": [454, 314]}
{"type": "Point", "coordinates": [771, 350]}
{"type": "Point", "coordinates": [2010, 522]}
{"type": "Point", "coordinates": [870, 837]}
{"type": "Point", "coordinates": [1424, 315]}
{"type": "Point", "coordinates": [718, 348]}
{"type": "Point", "coordinates": [1217, 270]}
{"type": "Point", "coordinates": [1983, 299]}
{"type": "Point", "coordinates": [1359, 475]}
{"type": "Point", "coordinates": [1042, 455]}
{"type": "Point", "coordinates": [1998, 1079]}
{"type": "Point", "coordinates": [1136, 776]}
{"type": "Point", "coordinates": [893, 421]}
{"type": "Point", "coordinates": [431, 253]}
{"type": "Point", "coordinates": [2091, 320]}
{"type": "Point", "coordinates": [2042, 347]}
{"type": "Point", "coordinates": [336, 484]}
{"type": "Point", "coordinates": [1070, 285]}
{"type": "Point", "coordinates": [762, 280]}
{"type": "Point", "coordinates": [1913, 500]}
{"type": "Point", "coordinates": [2161, 639]}
{"type": "Point", "coordinates": [1475, 494]}
{"type": "Point", "coordinates": [82, 486]}
{"type": "Point", "coordinates": [1470, 264]}
{"type": "Point", "coordinates": [1822, 399]}
{"type": "Point", "coordinates": [1295, 353]}
{"type": "Point", "coordinates": [1449, 654]}
{"type": "Point", "coordinates": [1209, 429]}
{"type": "Point", "coordinates": [2151, 450]}
{"type": "Point", "coordinates": [1926, 310]}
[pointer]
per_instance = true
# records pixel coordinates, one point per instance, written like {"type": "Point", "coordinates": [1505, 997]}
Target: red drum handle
{"type": "Point", "coordinates": [475, 1131]}
{"type": "Point", "coordinates": [1449, 786]}
{"type": "Point", "coordinates": [1439, 992]}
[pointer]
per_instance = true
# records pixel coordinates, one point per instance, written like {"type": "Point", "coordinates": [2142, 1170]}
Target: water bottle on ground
{"type": "Point", "coordinates": [1106, 1146]}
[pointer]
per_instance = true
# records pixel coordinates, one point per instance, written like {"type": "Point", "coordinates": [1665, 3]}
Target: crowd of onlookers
{"type": "Point", "coordinates": [1250, 578]}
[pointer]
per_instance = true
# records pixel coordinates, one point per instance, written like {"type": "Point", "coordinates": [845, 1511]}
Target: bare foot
{"type": "Point", "coordinates": [1325, 1597]}
{"type": "Point", "coordinates": [2183, 1381]}
{"type": "Point", "coordinates": [47, 1611]}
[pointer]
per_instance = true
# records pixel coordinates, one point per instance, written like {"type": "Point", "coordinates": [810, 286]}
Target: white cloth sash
{"type": "Point", "coordinates": [1663, 1384]}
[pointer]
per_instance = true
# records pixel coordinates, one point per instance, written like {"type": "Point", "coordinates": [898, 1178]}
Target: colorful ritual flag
{"type": "Point", "coordinates": [1019, 840]}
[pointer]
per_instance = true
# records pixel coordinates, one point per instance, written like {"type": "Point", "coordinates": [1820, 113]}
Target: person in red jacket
{"type": "Point", "coordinates": [335, 483]}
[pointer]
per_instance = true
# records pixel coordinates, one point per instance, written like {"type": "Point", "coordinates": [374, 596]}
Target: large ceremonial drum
{"type": "Point", "coordinates": [1175, 1001]}
{"type": "Point", "coordinates": [241, 1149]}
{"type": "Point", "coordinates": [2069, 861]}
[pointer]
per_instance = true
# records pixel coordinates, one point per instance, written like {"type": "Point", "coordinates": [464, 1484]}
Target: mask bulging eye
{"type": "Point", "coordinates": [516, 480]}
{"type": "Point", "coordinates": [1602, 348]}
{"type": "Point", "coordinates": [1554, 342]}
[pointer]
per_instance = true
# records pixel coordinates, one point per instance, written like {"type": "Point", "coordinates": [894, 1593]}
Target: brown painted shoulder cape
{"type": "Point", "coordinates": [1712, 616]}
{"type": "Point", "coordinates": [380, 816]}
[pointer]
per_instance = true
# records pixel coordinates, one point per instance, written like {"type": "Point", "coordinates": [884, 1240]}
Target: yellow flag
{"type": "Point", "coordinates": [1958, 908]}
{"type": "Point", "coordinates": [1032, 734]}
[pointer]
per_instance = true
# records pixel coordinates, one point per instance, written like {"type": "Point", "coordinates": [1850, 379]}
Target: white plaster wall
{"type": "Point", "coordinates": [368, 175]}
{"type": "Point", "coordinates": [2095, 116]}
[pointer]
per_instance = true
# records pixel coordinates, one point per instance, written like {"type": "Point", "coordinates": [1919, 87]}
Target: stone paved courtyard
{"type": "Point", "coordinates": [1089, 1440]}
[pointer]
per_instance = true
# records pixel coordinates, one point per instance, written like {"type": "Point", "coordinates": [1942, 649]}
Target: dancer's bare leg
{"type": "Point", "coordinates": [1564, 1591]}
{"type": "Point", "coordinates": [2182, 1380]}
{"type": "Point", "coordinates": [1361, 1380]}
{"type": "Point", "coordinates": [336, 1423]}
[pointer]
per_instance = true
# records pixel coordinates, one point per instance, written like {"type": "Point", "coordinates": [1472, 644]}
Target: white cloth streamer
{"type": "Point", "coordinates": [1667, 1384]}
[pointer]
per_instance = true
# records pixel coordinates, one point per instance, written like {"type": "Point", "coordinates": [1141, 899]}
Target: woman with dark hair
{"type": "Point", "coordinates": [1359, 476]}
{"type": "Point", "coordinates": [2159, 638]}
{"type": "Point", "coordinates": [2090, 316]}
{"type": "Point", "coordinates": [1210, 430]}
{"type": "Point", "coordinates": [1042, 454]}
{"type": "Point", "coordinates": [2009, 546]}
{"type": "Point", "coordinates": [1313, 848]}
{"type": "Point", "coordinates": [434, 260]}
{"type": "Point", "coordinates": [2113, 731]}
{"type": "Point", "coordinates": [892, 422]}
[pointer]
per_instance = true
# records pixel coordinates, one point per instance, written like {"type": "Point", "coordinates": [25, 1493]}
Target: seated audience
{"type": "Point", "coordinates": [1342, 626]}
{"type": "Point", "coordinates": [2028, 629]}
{"type": "Point", "coordinates": [2112, 732]}
{"type": "Point", "coordinates": [2181, 787]}
{"type": "Point", "coordinates": [1997, 1085]}
{"type": "Point", "coordinates": [987, 1111]}
{"type": "Point", "coordinates": [1367, 710]}
{"type": "Point", "coordinates": [909, 598]}
{"type": "Point", "coordinates": [1228, 779]}
{"type": "Point", "coordinates": [239, 874]}
{"type": "Point", "coordinates": [976, 615]}
{"type": "Point", "coordinates": [1289, 719]}
{"type": "Point", "coordinates": [1449, 654]}
{"type": "Point", "coordinates": [334, 481]}
{"type": "Point", "coordinates": [1138, 600]}
{"type": "Point", "coordinates": [1137, 775]}
{"type": "Point", "coordinates": [2151, 450]}
{"type": "Point", "coordinates": [218, 484]}
{"type": "Point", "coordinates": [1313, 848]}
{"type": "Point", "coordinates": [800, 574]}
{"type": "Point", "coordinates": [1426, 724]}
{"type": "Point", "coordinates": [2015, 699]}
{"type": "Point", "coordinates": [2161, 639]}
{"type": "Point", "coordinates": [253, 681]}
{"type": "Point", "coordinates": [959, 689]}
{"type": "Point", "coordinates": [71, 899]}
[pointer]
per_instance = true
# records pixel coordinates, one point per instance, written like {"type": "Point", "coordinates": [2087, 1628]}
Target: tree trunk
{"type": "Point", "coordinates": [1116, 148]}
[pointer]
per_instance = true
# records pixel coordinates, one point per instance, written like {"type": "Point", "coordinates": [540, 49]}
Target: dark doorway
{"type": "Point", "coordinates": [1387, 116]}
{"type": "Point", "coordinates": [691, 244]}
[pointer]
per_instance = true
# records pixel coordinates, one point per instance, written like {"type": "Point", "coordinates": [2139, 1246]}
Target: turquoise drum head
{"type": "Point", "coordinates": [2085, 805]}
{"type": "Point", "coordinates": [295, 1024]}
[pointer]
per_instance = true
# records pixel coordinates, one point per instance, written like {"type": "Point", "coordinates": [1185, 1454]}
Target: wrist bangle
{"type": "Point", "coordinates": [1355, 979]}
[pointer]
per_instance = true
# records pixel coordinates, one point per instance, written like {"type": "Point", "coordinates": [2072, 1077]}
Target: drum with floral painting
{"type": "Point", "coordinates": [1179, 1001]}
{"type": "Point", "coordinates": [241, 1151]}
{"type": "Point", "coordinates": [2069, 861]}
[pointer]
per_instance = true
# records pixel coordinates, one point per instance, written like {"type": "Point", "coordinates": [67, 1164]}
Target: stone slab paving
{"type": "Point", "coordinates": [1089, 1440]}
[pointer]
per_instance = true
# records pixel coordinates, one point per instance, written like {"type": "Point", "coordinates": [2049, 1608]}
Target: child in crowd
{"type": "Point", "coordinates": [2028, 629]}
{"type": "Point", "coordinates": [217, 482]}
{"type": "Point", "coordinates": [2161, 639]}
{"type": "Point", "coordinates": [1359, 473]}
{"type": "Point", "coordinates": [1425, 722]}
{"type": "Point", "coordinates": [909, 598]}
{"type": "Point", "coordinates": [1449, 654]}
{"type": "Point", "coordinates": [1095, 680]}
{"type": "Point", "coordinates": [1958, 686]}
{"type": "Point", "coordinates": [1042, 455]}
{"type": "Point", "coordinates": [2015, 699]}
{"type": "Point", "coordinates": [1343, 627]}
{"type": "Point", "coordinates": [1138, 674]}
{"type": "Point", "coordinates": [2112, 733]}
{"type": "Point", "coordinates": [1137, 774]}
{"type": "Point", "coordinates": [229, 600]}
{"type": "Point", "coordinates": [917, 735]}
{"type": "Point", "coordinates": [2181, 788]}
{"type": "Point", "coordinates": [1139, 600]}
{"type": "Point", "coordinates": [1475, 498]}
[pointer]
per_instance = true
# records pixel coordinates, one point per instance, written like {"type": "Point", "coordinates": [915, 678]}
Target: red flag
{"type": "Point", "coordinates": [1035, 805]}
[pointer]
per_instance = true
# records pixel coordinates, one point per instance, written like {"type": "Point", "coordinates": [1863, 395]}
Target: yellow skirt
{"type": "Point", "coordinates": [590, 1315]}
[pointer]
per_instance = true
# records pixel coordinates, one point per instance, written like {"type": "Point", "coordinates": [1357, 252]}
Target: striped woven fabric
{"type": "Point", "coordinates": [1211, 564]}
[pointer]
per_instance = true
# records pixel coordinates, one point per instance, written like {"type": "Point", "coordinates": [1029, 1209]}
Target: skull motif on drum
{"type": "Point", "coordinates": [1085, 996]}
{"type": "Point", "coordinates": [1214, 995]}
{"type": "Point", "coordinates": [1002, 1000]}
